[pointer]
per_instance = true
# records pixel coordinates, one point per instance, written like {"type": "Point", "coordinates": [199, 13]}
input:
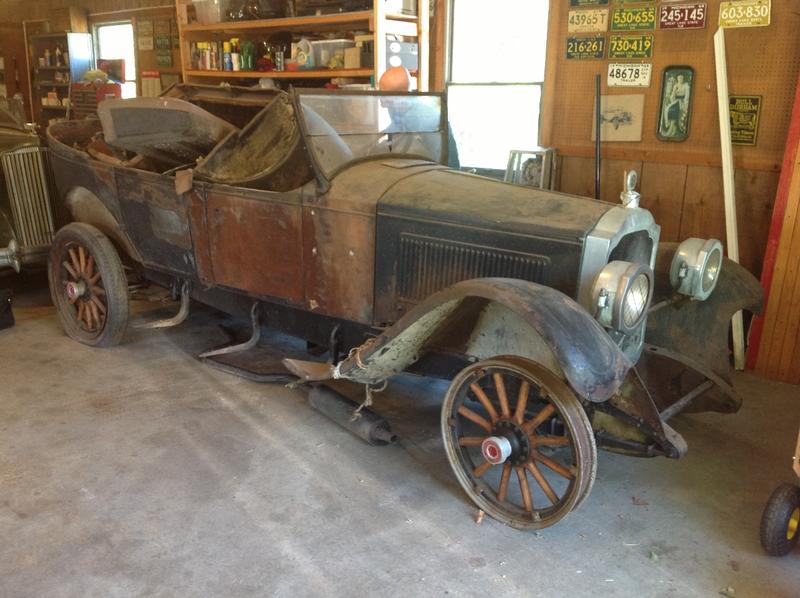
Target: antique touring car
{"type": "Point", "coordinates": [562, 322]}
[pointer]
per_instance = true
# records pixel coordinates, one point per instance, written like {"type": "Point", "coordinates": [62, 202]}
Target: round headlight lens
{"type": "Point", "coordinates": [621, 295]}
{"type": "Point", "coordinates": [711, 271]}
{"type": "Point", "coordinates": [635, 301]}
{"type": "Point", "coordinates": [695, 267]}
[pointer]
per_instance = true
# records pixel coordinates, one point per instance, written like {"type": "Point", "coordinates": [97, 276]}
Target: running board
{"type": "Point", "coordinates": [245, 346]}
{"type": "Point", "coordinates": [179, 318]}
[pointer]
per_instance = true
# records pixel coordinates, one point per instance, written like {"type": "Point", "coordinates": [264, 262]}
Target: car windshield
{"type": "Point", "coordinates": [341, 128]}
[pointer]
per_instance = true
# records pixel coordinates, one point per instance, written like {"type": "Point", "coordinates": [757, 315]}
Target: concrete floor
{"type": "Point", "coordinates": [140, 471]}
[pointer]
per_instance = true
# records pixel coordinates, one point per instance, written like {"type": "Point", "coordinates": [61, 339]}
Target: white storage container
{"type": "Point", "coordinates": [325, 50]}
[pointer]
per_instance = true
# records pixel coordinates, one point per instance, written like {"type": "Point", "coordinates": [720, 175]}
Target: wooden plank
{"type": "Point", "coordinates": [703, 210]}
{"type": "Point", "coordinates": [778, 213]}
{"type": "Point", "coordinates": [577, 176]}
{"type": "Point", "coordinates": [729, 187]}
{"type": "Point", "coordinates": [777, 316]}
{"type": "Point", "coordinates": [663, 187]}
{"type": "Point", "coordinates": [755, 192]}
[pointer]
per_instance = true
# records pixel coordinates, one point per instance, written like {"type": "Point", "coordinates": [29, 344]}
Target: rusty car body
{"type": "Point", "coordinates": [563, 323]}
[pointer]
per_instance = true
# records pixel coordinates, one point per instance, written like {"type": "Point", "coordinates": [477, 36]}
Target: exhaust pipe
{"type": "Point", "coordinates": [367, 424]}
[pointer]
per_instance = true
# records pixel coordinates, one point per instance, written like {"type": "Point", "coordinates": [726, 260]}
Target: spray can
{"type": "Point", "coordinates": [227, 63]}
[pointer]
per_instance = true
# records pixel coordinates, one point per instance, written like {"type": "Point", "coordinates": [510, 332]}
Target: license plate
{"type": "Point", "coordinates": [683, 16]}
{"type": "Point", "coordinates": [586, 48]}
{"type": "Point", "coordinates": [630, 46]}
{"type": "Point", "coordinates": [587, 2]}
{"type": "Point", "coordinates": [583, 21]}
{"type": "Point", "coordinates": [745, 13]}
{"type": "Point", "coordinates": [628, 74]}
{"type": "Point", "coordinates": [633, 19]}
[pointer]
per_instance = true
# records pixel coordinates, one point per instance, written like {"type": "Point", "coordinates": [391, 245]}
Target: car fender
{"type": "Point", "coordinates": [486, 317]}
{"type": "Point", "coordinates": [84, 206]}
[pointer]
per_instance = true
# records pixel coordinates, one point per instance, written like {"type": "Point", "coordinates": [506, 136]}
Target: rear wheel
{"type": "Point", "coordinates": [518, 441]}
{"type": "Point", "coordinates": [88, 286]}
{"type": "Point", "coordinates": [780, 524]}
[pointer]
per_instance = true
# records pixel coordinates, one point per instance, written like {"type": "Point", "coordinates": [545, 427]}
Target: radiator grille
{"type": "Point", "coordinates": [428, 265]}
{"type": "Point", "coordinates": [30, 188]}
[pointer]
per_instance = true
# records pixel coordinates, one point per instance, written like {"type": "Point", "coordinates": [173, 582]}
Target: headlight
{"type": "Point", "coordinates": [621, 294]}
{"type": "Point", "coordinates": [695, 267]}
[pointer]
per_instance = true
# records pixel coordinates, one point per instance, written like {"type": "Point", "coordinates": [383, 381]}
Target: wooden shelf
{"type": "Point", "coordinates": [59, 108]}
{"type": "Point", "coordinates": [52, 68]}
{"type": "Point", "coordinates": [309, 74]}
{"type": "Point", "coordinates": [334, 21]}
{"type": "Point", "coordinates": [50, 84]}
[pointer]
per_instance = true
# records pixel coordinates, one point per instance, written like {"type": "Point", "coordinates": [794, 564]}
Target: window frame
{"type": "Point", "coordinates": [96, 37]}
{"type": "Point", "coordinates": [448, 70]}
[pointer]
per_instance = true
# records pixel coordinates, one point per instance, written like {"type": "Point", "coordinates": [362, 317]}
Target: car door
{"type": "Point", "coordinates": [249, 240]}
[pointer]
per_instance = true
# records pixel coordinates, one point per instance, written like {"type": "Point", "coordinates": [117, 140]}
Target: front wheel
{"type": "Point", "coordinates": [507, 420]}
{"type": "Point", "coordinates": [780, 524]}
{"type": "Point", "coordinates": [88, 286]}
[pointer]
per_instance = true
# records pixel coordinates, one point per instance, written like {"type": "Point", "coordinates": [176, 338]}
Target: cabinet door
{"type": "Point", "coordinates": [255, 242]}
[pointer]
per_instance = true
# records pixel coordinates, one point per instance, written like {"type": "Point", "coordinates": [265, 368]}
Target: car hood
{"type": "Point", "coordinates": [452, 196]}
{"type": "Point", "coordinates": [12, 138]}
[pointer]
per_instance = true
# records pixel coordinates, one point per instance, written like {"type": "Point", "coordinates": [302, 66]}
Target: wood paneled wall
{"type": "Point", "coordinates": [681, 183]}
{"type": "Point", "coordinates": [775, 335]}
{"type": "Point", "coordinates": [25, 10]}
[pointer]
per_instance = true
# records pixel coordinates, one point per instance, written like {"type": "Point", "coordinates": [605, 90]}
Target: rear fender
{"type": "Point", "coordinates": [84, 206]}
{"type": "Point", "coordinates": [487, 317]}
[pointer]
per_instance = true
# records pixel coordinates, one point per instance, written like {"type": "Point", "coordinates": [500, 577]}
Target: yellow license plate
{"type": "Point", "coordinates": [633, 19]}
{"type": "Point", "coordinates": [630, 46]}
{"type": "Point", "coordinates": [745, 13]}
{"type": "Point", "coordinates": [586, 21]}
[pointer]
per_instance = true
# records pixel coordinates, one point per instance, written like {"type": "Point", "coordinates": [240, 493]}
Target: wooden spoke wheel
{"type": "Point", "coordinates": [88, 286]}
{"type": "Point", "coordinates": [518, 441]}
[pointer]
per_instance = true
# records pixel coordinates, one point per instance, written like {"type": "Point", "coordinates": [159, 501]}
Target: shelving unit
{"type": "Point", "coordinates": [378, 22]}
{"type": "Point", "coordinates": [57, 77]}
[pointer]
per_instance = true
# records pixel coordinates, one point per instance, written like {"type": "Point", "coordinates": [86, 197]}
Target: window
{"type": "Point", "coordinates": [115, 42]}
{"type": "Point", "coordinates": [495, 81]}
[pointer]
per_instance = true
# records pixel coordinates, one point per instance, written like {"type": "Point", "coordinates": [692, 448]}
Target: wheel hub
{"type": "Point", "coordinates": [508, 433]}
{"type": "Point", "coordinates": [76, 289]}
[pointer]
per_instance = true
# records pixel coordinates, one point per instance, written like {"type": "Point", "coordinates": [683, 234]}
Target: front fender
{"type": "Point", "coordinates": [694, 335]}
{"type": "Point", "coordinates": [486, 317]}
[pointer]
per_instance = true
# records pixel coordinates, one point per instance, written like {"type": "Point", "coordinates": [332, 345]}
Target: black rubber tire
{"type": "Point", "coordinates": [568, 408]}
{"type": "Point", "coordinates": [112, 279]}
{"type": "Point", "coordinates": [776, 537]}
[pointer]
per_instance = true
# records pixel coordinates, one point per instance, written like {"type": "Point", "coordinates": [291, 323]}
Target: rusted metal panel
{"type": "Point", "coordinates": [255, 242]}
{"type": "Point", "coordinates": [339, 263]}
{"type": "Point", "coordinates": [198, 222]}
{"type": "Point", "coordinates": [156, 219]}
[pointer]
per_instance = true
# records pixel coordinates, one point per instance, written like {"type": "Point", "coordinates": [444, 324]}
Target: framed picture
{"type": "Point", "coordinates": [534, 168]}
{"type": "Point", "coordinates": [675, 110]}
{"type": "Point", "coordinates": [621, 118]}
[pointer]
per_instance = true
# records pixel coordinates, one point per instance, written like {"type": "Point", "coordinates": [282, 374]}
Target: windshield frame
{"type": "Point", "coordinates": [324, 179]}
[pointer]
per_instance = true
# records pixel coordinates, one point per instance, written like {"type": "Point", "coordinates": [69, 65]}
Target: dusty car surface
{"type": "Point", "coordinates": [563, 323]}
{"type": "Point", "coordinates": [14, 135]}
